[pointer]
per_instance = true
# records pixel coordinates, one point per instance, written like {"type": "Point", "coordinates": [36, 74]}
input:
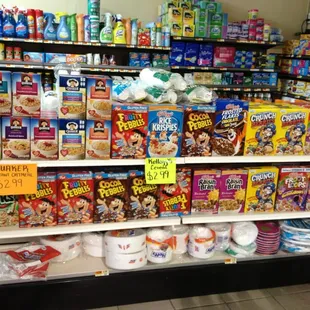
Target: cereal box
{"type": "Point", "coordinates": [165, 131]}
{"type": "Point", "coordinates": [292, 189]}
{"type": "Point", "coordinates": [175, 199]}
{"type": "Point", "coordinates": [99, 90]}
{"type": "Point", "coordinates": [8, 210]}
{"type": "Point", "coordinates": [262, 187]}
{"type": "Point", "coordinates": [15, 138]}
{"type": "Point", "coordinates": [44, 139]}
{"type": "Point", "coordinates": [39, 209]}
{"type": "Point", "coordinates": [261, 132]}
{"type": "Point", "coordinates": [5, 93]}
{"type": "Point", "coordinates": [233, 187]}
{"type": "Point", "coordinates": [26, 89]}
{"type": "Point", "coordinates": [144, 200]}
{"type": "Point", "coordinates": [75, 197]}
{"type": "Point", "coordinates": [205, 193]}
{"type": "Point", "coordinates": [230, 127]}
{"type": "Point", "coordinates": [129, 130]}
{"type": "Point", "coordinates": [71, 139]}
{"type": "Point", "coordinates": [72, 96]}
{"type": "Point", "coordinates": [291, 131]}
{"type": "Point", "coordinates": [198, 130]}
{"type": "Point", "coordinates": [111, 197]}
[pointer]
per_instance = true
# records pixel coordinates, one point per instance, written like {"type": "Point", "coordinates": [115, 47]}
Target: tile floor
{"type": "Point", "coordinates": [295, 297]}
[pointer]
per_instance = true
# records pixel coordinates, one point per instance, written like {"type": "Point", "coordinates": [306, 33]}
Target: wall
{"type": "Point", "coordinates": [286, 14]}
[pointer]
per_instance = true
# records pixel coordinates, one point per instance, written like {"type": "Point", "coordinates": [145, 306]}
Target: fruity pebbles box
{"type": "Point", "coordinates": [8, 210]}
{"type": "Point", "coordinates": [5, 93]}
{"type": "Point", "coordinates": [165, 131]}
{"type": "Point", "coordinates": [129, 131]}
{"type": "Point", "coordinates": [75, 197]}
{"type": "Point", "coordinates": [40, 209]}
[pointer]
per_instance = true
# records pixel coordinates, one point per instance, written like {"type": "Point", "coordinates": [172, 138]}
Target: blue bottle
{"type": "Point", "coordinates": [63, 31]}
{"type": "Point", "coordinates": [22, 30]}
{"type": "Point", "coordinates": [49, 30]}
{"type": "Point", "coordinates": [86, 28]}
{"type": "Point", "coordinates": [1, 23]}
{"type": "Point", "coordinates": [9, 24]}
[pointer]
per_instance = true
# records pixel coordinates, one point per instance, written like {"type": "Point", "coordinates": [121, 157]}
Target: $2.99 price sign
{"type": "Point", "coordinates": [18, 179]}
{"type": "Point", "coordinates": [160, 170]}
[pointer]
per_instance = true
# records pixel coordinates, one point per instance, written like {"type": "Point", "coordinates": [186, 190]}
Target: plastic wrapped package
{"type": "Point", "coordinates": [178, 82]}
{"type": "Point", "coordinates": [239, 251]}
{"type": "Point", "coordinates": [93, 244]}
{"type": "Point", "coordinates": [128, 91]}
{"type": "Point", "coordinates": [199, 94]}
{"type": "Point", "coordinates": [180, 238]}
{"type": "Point", "coordinates": [152, 77]}
{"type": "Point", "coordinates": [289, 232]}
{"type": "Point", "coordinates": [244, 233]}
{"type": "Point", "coordinates": [292, 246]}
{"type": "Point", "coordinates": [157, 95]}
{"type": "Point", "coordinates": [222, 235]}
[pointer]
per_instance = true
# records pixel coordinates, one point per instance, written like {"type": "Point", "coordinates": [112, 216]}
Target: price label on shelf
{"type": "Point", "coordinates": [102, 273]}
{"type": "Point", "coordinates": [18, 179]}
{"type": "Point", "coordinates": [160, 170]}
{"type": "Point", "coordinates": [230, 261]}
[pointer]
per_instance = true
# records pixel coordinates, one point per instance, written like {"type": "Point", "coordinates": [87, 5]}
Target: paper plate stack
{"type": "Point", "coordinates": [268, 239]}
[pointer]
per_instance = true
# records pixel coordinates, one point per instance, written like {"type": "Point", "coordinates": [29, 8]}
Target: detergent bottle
{"type": "Point", "coordinates": [22, 25]}
{"type": "Point", "coordinates": [73, 27]}
{"type": "Point", "coordinates": [49, 30]}
{"type": "Point", "coordinates": [80, 27]}
{"type": "Point", "coordinates": [9, 24]}
{"type": "Point", "coordinates": [63, 31]}
{"type": "Point", "coordinates": [119, 35]}
{"type": "Point", "coordinates": [106, 35]}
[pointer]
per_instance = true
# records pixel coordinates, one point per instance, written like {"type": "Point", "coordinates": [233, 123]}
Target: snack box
{"type": "Point", "coordinates": [72, 96]}
{"type": "Point", "coordinates": [71, 139]}
{"type": "Point", "coordinates": [165, 124]}
{"type": "Point", "coordinates": [15, 138]}
{"type": "Point", "coordinates": [111, 197]}
{"type": "Point", "coordinates": [26, 88]}
{"type": "Point", "coordinates": [33, 57]}
{"type": "Point", "coordinates": [205, 191]}
{"type": "Point", "coordinates": [75, 197]}
{"type": "Point", "coordinates": [40, 209]}
{"type": "Point", "coordinates": [44, 139]}
{"type": "Point", "coordinates": [55, 58]}
{"type": "Point", "coordinates": [8, 210]}
{"type": "Point", "coordinates": [5, 93]}
{"type": "Point", "coordinates": [129, 130]}
{"type": "Point", "coordinates": [261, 190]}
{"type": "Point", "coordinates": [76, 58]}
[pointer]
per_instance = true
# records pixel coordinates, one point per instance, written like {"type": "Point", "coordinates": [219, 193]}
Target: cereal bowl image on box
{"type": "Point", "coordinates": [5, 93]}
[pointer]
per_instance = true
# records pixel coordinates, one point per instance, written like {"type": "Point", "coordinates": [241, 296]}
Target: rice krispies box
{"type": "Point", "coordinates": [229, 128]}
{"type": "Point", "coordinates": [233, 187]}
{"type": "Point", "coordinates": [40, 209]}
{"type": "Point", "coordinates": [175, 199]}
{"type": "Point", "coordinates": [75, 197]}
{"type": "Point", "coordinates": [165, 131]}
{"type": "Point", "coordinates": [261, 190]}
{"type": "Point", "coordinates": [198, 130]}
{"type": "Point", "coordinates": [205, 192]}
{"type": "Point", "coordinates": [5, 93]}
{"type": "Point", "coordinates": [111, 197]}
{"type": "Point", "coordinates": [292, 189]}
{"type": "Point", "coordinates": [8, 210]}
{"type": "Point", "coordinates": [129, 131]}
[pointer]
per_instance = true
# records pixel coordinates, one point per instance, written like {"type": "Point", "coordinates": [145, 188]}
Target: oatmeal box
{"type": "Point", "coordinates": [15, 138]}
{"type": "Point", "coordinates": [8, 210]}
{"type": "Point", "coordinates": [111, 197]}
{"type": "Point", "coordinates": [233, 187]}
{"type": "Point", "coordinates": [40, 209]}
{"type": "Point", "coordinates": [262, 188]}
{"type": "Point", "coordinates": [26, 88]}
{"type": "Point", "coordinates": [75, 197]}
{"type": "Point", "coordinates": [5, 93]}
{"type": "Point", "coordinates": [230, 127]}
{"type": "Point", "coordinates": [71, 139]}
{"type": "Point", "coordinates": [129, 130]}
{"type": "Point", "coordinates": [205, 192]}
{"type": "Point", "coordinates": [165, 131]}
{"type": "Point", "coordinates": [198, 130]}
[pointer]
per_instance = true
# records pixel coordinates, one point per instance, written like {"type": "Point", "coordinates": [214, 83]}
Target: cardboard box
{"type": "Point", "coordinates": [5, 93]}
{"type": "Point", "coordinates": [188, 31]}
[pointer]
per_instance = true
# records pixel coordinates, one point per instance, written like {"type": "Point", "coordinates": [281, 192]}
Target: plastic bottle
{"type": "Point", "coordinates": [1, 23]}
{"type": "Point", "coordinates": [166, 36]}
{"type": "Point", "coordinates": [86, 28]}
{"type": "Point", "coordinates": [63, 31]}
{"type": "Point", "coordinates": [119, 33]}
{"type": "Point", "coordinates": [73, 28]}
{"type": "Point", "coordinates": [134, 32]}
{"type": "Point", "coordinates": [31, 24]}
{"type": "Point", "coordinates": [152, 28]}
{"type": "Point", "coordinates": [94, 28]}
{"type": "Point", "coordinates": [22, 25]}
{"type": "Point", "coordinates": [106, 35]}
{"type": "Point", "coordinates": [80, 27]}
{"type": "Point", "coordinates": [94, 7]}
{"type": "Point", "coordinates": [159, 41]}
{"type": "Point", "coordinates": [49, 30]}
{"type": "Point", "coordinates": [9, 24]}
{"type": "Point", "coordinates": [128, 30]}
{"type": "Point", "coordinates": [39, 24]}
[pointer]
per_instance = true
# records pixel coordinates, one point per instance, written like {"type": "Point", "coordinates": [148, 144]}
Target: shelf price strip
{"type": "Point", "coordinates": [160, 170]}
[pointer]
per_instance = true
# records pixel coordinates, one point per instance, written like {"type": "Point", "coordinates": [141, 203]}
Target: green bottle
{"type": "Point", "coordinates": [73, 28]}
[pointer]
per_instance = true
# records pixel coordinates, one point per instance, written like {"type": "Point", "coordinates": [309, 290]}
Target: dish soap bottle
{"type": "Point", "coordinates": [106, 35]}
{"type": "Point", "coordinates": [63, 31]}
{"type": "Point", "coordinates": [22, 25]}
{"type": "Point", "coordinates": [73, 27]}
{"type": "Point", "coordinates": [119, 36]}
{"type": "Point", "coordinates": [49, 31]}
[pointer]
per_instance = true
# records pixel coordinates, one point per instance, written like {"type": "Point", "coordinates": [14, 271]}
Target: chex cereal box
{"type": "Point", "coordinates": [8, 210]}
{"type": "Point", "coordinates": [261, 132]}
{"type": "Point", "coordinates": [72, 96]}
{"type": "Point", "coordinates": [261, 190]}
{"type": "Point", "coordinates": [165, 131]}
{"type": "Point", "coordinates": [129, 130]}
{"type": "Point", "coordinates": [198, 130]}
{"type": "Point", "coordinates": [26, 88]}
{"type": "Point", "coordinates": [5, 93]}
{"type": "Point", "coordinates": [44, 139]}
{"type": "Point", "coordinates": [75, 197]}
{"type": "Point", "coordinates": [111, 197]}
{"type": "Point", "coordinates": [40, 209]}
{"type": "Point", "coordinates": [205, 190]}
{"type": "Point", "coordinates": [230, 127]}
{"type": "Point", "coordinates": [175, 199]}
{"type": "Point", "coordinates": [15, 138]}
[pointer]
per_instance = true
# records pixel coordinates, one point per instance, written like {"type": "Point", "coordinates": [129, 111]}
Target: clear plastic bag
{"type": "Point", "coordinates": [199, 94]}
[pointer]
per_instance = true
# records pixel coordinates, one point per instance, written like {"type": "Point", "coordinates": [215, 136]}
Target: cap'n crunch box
{"type": "Point", "coordinates": [129, 131]}
{"type": "Point", "coordinates": [75, 197]}
{"type": "Point", "coordinates": [8, 210]}
{"type": "Point", "coordinates": [5, 93]}
{"type": "Point", "coordinates": [262, 188]}
{"type": "Point", "coordinates": [39, 209]}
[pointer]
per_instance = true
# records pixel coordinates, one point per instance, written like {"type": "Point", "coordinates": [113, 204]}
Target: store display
{"type": "Point", "coordinates": [93, 244]}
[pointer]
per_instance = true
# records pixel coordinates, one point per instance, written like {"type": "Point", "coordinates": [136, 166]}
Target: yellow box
{"type": "Point", "coordinates": [305, 37]}
{"type": "Point", "coordinates": [175, 15]}
{"type": "Point", "coordinates": [188, 17]}
{"type": "Point", "coordinates": [176, 29]}
{"type": "Point", "coordinates": [188, 30]}
{"type": "Point", "coordinates": [261, 189]}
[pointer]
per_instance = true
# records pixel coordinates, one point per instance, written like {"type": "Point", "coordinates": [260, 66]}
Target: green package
{"type": "Point", "coordinates": [201, 30]}
{"type": "Point", "coordinates": [201, 15]}
{"type": "Point", "coordinates": [217, 78]}
{"type": "Point", "coordinates": [215, 19]}
{"type": "Point", "coordinates": [215, 32]}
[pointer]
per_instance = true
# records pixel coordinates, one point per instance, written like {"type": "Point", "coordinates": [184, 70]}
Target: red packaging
{"type": "Point", "coordinates": [31, 23]}
{"type": "Point", "coordinates": [75, 197]}
{"type": "Point", "coordinates": [17, 53]}
{"type": "Point", "coordinates": [8, 53]}
{"type": "Point", "coordinates": [144, 37]}
{"type": "Point", "coordinates": [224, 56]}
{"type": "Point", "coordinates": [39, 24]}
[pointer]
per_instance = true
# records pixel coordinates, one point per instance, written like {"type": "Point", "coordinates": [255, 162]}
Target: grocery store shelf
{"type": "Point", "coordinates": [195, 68]}
{"type": "Point", "coordinates": [21, 64]}
{"type": "Point", "coordinates": [296, 96]}
{"type": "Point", "coordinates": [293, 56]}
{"type": "Point", "coordinates": [294, 77]}
{"type": "Point", "coordinates": [241, 88]}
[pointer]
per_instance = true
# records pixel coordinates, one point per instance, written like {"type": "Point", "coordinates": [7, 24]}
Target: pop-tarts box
{"type": "Point", "coordinates": [33, 57]}
{"type": "Point", "coordinates": [55, 58]}
{"type": "Point", "coordinates": [5, 93]}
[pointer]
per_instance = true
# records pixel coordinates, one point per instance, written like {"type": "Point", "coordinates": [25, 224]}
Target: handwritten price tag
{"type": "Point", "coordinates": [18, 179]}
{"type": "Point", "coordinates": [160, 170]}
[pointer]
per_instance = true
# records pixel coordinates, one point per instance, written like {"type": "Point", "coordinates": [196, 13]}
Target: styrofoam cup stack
{"type": "Point", "coordinates": [93, 244]}
{"type": "Point", "coordinates": [180, 238]}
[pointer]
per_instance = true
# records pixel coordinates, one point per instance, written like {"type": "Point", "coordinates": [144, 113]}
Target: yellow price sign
{"type": "Point", "coordinates": [160, 170]}
{"type": "Point", "coordinates": [18, 179]}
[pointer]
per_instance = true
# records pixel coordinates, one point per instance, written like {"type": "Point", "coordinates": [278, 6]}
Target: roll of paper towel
{"type": "Point", "coordinates": [68, 245]}
{"type": "Point", "coordinates": [244, 233]}
{"type": "Point", "coordinates": [180, 238]}
{"type": "Point", "coordinates": [126, 261]}
{"type": "Point", "coordinates": [125, 241]}
{"type": "Point", "coordinates": [222, 235]}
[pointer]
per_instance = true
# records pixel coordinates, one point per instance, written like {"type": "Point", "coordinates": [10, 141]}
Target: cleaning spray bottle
{"type": "Point", "coordinates": [9, 24]}
{"type": "Point", "coordinates": [49, 30]}
{"type": "Point", "coordinates": [63, 31]}
{"type": "Point", "coordinates": [106, 35]}
{"type": "Point", "coordinates": [134, 31]}
{"type": "Point", "coordinates": [73, 28]}
{"type": "Point", "coordinates": [80, 27]}
{"type": "Point", "coordinates": [22, 25]}
{"type": "Point", "coordinates": [119, 33]}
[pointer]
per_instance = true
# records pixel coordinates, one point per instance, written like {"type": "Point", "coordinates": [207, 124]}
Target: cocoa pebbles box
{"type": "Point", "coordinates": [230, 127]}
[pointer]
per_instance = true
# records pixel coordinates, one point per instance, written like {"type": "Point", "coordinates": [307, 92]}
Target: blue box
{"type": "Point", "coordinates": [191, 54]}
{"type": "Point", "coordinates": [177, 54]}
{"type": "Point", "coordinates": [134, 60]}
{"type": "Point", "coordinates": [145, 59]}
{"type": "Point", "coordinates": [205, 57]}
{"type": "Point", "coordinates": [55, 58]}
